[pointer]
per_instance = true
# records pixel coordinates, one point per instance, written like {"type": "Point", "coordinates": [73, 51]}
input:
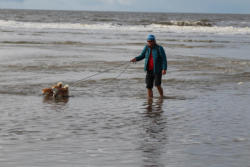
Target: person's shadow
{"type": "Point", "coordinates": [154, 134]}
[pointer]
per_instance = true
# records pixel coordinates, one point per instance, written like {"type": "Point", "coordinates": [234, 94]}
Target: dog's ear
{"type": "Point", "coordinates": [66, 86]}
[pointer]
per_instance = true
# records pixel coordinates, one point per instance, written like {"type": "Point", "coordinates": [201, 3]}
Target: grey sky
{"type": "Point", "coordinates": [193, 6]}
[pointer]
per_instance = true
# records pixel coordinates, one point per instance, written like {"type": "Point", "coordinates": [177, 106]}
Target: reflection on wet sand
{"type": "Point", "coordinates": [55, 104]}
{"type": "Point", "coordinates": [154, 134]}
{"type": "Point", "coordinates": [154, 108]}
{"type": "Point", "coordinates": [50, 100]}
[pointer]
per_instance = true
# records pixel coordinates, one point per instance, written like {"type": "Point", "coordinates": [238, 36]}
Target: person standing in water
{"type": "Point", "coordinates": [155, 64]}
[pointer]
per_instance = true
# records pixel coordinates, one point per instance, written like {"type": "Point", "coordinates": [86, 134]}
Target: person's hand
{"type": "Point", "coordinates": [133, 60]}
{"type": "Point", "coordinates": [164, 72]}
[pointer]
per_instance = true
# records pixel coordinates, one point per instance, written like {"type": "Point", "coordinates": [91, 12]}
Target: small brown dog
{"type": "Point", "coordinates": [51, 91]}
{"type": "Point", "coordinates": [61, 92]}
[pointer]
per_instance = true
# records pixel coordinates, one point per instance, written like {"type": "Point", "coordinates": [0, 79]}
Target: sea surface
{"type": "Point", "coordinates": [108, 121]}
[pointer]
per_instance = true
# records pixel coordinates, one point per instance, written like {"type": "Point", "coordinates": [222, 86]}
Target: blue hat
{"type": "Point", "coordinates": [151, 37]}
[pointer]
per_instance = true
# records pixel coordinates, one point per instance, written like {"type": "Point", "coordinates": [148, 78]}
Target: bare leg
{"type": "Point", "coordinates": [160, 90]}
{"type": "Point", "coordinates": [150, 93]}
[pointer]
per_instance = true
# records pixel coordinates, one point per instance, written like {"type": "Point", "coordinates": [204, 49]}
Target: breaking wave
{"type": "Point", "coordinates": [202, 23]}
{"type": "Point", "coordinates": [172, 26]}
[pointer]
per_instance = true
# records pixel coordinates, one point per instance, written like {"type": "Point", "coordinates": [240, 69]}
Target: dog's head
{"type": "Point", "coordinates": [59, 84]}
{"type": "Point", "coordinates": [66, 86]}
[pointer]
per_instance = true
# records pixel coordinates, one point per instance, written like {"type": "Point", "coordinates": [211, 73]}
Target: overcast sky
{"type": "Point", "coordinates": [193, 6]}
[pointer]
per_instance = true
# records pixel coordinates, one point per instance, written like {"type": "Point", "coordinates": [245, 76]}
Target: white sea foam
{"type": "Point", "coordinates": [199, 29]}
{"type": "Point", "coordinates": [110, 26]}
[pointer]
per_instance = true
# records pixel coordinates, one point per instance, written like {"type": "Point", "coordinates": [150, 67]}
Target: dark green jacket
{"type": "Point", "coordinates": [159, 57]}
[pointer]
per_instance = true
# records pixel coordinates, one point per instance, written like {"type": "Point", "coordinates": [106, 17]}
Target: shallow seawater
{"type": "Point", "coordinates": [125, 130]}
{"type": "Point", "coordinates": [203, 119]}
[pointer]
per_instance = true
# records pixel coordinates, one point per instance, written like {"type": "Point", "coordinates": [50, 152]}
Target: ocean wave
{"type": "Point", "coordinates": [44, 43]}
{"type": "Point", "coordinates": [202, 23]}
{"type": "Point", "coordinates": [210, 30]}
{"type": "Point", "coordinates": [156, 27]}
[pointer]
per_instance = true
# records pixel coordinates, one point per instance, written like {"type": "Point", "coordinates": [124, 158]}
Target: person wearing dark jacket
{"type": "Point", "coordinates": [155, 64]}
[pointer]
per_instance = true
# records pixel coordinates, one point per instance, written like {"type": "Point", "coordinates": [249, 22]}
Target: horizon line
{"type": "Point", "coordinates": [122, 11]}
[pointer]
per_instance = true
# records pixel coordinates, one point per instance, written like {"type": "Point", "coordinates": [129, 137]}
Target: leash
{"type": "Point", "coordinates": [100, 72]}
{"type": "Point", "coordinates": [125, 69]}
